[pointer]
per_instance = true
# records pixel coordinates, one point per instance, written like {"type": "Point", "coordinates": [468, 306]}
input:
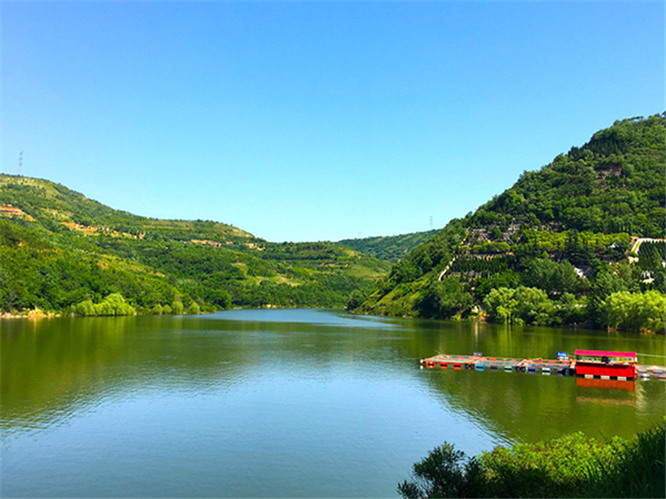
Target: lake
{"type": "Point", "coordinates": [282, 403]}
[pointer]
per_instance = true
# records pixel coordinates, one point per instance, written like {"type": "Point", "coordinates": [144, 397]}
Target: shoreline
{"type": "Point", "coordinates": [30, 314]}
{"type": "Point", "coordinates": [36, 314]}
{"type": "Point", "coordinates": [481, 319]}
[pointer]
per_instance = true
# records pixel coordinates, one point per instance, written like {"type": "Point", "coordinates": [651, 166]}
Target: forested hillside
{"type": "Point", "coordinates": [389, 248]}
{"type": "Point", "coordinates": [553, 249]}
{"type": "Point", "coordinates": [62, 252]}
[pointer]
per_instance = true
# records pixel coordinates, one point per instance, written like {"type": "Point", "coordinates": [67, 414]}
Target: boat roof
{"type": "Point", "coordinates": [606, 353]}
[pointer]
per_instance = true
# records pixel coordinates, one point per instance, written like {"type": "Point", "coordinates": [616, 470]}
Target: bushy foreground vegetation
{"type": "Point", "coordinates": [569, 466]}
{"type": "Point", "coordinates": [61, 252]}
{"type": "Point", "coordinates": [556, 248]}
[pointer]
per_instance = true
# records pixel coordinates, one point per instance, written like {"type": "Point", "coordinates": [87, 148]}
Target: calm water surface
{"type": "Point", "coordinates": [281, 403]}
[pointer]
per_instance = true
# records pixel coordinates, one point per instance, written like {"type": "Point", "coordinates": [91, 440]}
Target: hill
{"type": "Point", "coordinates": [62, 252]}
{"type": "Point", "coordinates": [557, 243]}
{"type": "Point", "coordinates": [389, 248]}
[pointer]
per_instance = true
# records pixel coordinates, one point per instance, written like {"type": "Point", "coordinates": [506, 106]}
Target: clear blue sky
{"type": "Point", "coordinates": [307, 121]}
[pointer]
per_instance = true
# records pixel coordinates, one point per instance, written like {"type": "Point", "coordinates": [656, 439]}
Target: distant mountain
{"type": "Point", "coordinates": [60, 250]}
{"type": "Point", "coordinates": [389, 248]}
{"type": "Point", "coordinates": [565, 230]}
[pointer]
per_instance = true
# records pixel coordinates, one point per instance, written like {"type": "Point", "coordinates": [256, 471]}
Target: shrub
{"type": "Point", "coordinates": [444, 473]}
{"type": "Point", "coordinates": [570, 466]}
{"type": "Point", "coordinates": [177, 307]}
{"type": "Point", "coordinates": [193, 309]}
{"type": "Point", "coordinates": [113, 304]}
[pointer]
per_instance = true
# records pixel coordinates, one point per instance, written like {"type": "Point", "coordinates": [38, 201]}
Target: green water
{"type": "Point", "coordinates": [281, 403]}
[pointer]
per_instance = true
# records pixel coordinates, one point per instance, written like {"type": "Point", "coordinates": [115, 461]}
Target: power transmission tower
{"type": "Point", "coordinates": [20, 166]}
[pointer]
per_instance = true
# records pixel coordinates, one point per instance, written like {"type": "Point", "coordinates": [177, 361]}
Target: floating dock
{"type": "Point", "coordinates": [561, 367]}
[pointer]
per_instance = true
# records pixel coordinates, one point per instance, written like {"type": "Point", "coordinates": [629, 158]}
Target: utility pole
{"type": "Point", "coordinates": [430, 222]}
{"type": "Point", "coordinates": [20, 164]}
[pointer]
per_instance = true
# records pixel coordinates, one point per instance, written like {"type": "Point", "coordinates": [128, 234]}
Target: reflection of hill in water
{"type": "Point", "coordinates": [54, 368]}
{"type": "Point", "coordinates": [50, 368]}
{"type": "Point", "coordinates": [528, 407]}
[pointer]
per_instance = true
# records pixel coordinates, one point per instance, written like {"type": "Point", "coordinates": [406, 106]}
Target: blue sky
{"type": "Point", "coordinates": [302, 121]}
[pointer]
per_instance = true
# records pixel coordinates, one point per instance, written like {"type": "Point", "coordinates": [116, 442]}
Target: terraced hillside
{"type": "Point", "coordinates": [59, 249]}
{"type": "Point", "coordinates": [554, 247]}
{"type": "Point", "coordinates": [389, 248]}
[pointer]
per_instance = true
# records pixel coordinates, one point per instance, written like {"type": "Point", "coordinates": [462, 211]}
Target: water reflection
{"type": "Point", "coordinates": [53, 368]}
{"type": "Point", "coordinates": [605, 384]}
{"type": "Point", "coordinates": [306, 386]}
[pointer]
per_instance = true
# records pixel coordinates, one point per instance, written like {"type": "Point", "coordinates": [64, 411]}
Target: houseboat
{"type": "Point", "coordinates": [605, 364]}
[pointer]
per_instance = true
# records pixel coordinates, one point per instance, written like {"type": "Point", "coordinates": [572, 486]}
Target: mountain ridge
{"type": "Point", "coordinates": [572, 220]}
{"type": "Point", "coordinates": [59, 250]}
{"type": "Point", "coordinates": [389, 248]}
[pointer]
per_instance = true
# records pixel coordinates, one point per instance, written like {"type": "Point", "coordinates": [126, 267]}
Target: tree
{"type": "Point", "coordinates": [569, 466]}
{"type": "Point", "coordinates": [501, 305]}
{"type": "Point", "coordinates": [444, 299]}
{"type": "Point", "coordinates": [519, 306]}
{"type": "Point", "coordinates": [357, 297]}
{"type": "Point", "coordinates": [177, 307]}
{"type": "Point", "coordinates": [405, 271]}
{"type": "Point", "coordinates": [570, 311]}
{"type": "Point", "coordinates": [113, 304]}
{"type": "Point", "coordinates": [533, 306]}
{"type": "Point", "coordinates": [577, 250]}
{"type": "Point", "coordinates": [608, 281]}
{"type": "Point", "coordinates": [218, 297]}
{"type": "Point", "coordinates": [636, 311]}
{"type": "Point", "coordinates": [444, 473]}
{"type": "Point", "coordinates": [193, 308]}
{"type": "Point", "coordinates": [551, 276]}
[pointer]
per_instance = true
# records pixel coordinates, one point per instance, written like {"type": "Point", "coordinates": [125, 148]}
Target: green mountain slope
{"type": "Point", "coordinates": [60, 250]}
{"type": "Point", "coordinates": [389, 248]}
{"type": "Point", "coordinates": [562, 233]}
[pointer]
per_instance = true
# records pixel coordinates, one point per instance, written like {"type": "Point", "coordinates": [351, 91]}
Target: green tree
{"type": "Point", "coordinates": [571, 311]}
{"type": "Point", "coordinates": [445, 472]}
{"type": "Point", "coordinates": [177, 307]}
{"type": "Point", "coordinates": [533, 306]}
{"type": "Point", "coordinates": [569, 466]}
{"type": "Point", "coordinates": [519, 306]}
{"type": "Point", "coordinates": [84, 308]}
{"type": "Point", "coordinates": [357, 297]}
{"type": "Point", "coordinates": [636, 311]}
{"type": "Point", "coordinates": [501, 305]}
{"type": "Point", "coordinates": [608, 281]}
{"type": "Point", "coordinates": [445, 299]}
{"type": "Point", "coordinates": [577, 250]}
{"type": "Point", "coordinates": [551, 276]}
{"type": "Point", "coordinates": [193, 308]}
{"type": "Point", "coordinates": [113, 304]}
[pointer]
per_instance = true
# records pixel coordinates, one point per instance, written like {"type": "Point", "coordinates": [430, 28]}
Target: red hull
{"type": "Point", "coordinates": [601, 369]}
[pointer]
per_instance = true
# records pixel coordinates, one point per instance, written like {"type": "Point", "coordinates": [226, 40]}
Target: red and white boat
{"type": "Point", "coordinates": [606, 364]}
